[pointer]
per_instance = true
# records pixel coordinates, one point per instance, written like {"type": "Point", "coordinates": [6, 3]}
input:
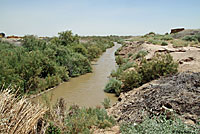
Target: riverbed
{"type": "Point", "coordinates": [86, 90]}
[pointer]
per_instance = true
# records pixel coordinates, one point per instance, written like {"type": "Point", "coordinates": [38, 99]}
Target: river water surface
{"type": "Point", "coordinates": [87, 90]}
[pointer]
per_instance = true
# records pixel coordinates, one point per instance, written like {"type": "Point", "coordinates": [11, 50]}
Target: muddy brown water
{"type": "Point", "coordinates": [86, 90]}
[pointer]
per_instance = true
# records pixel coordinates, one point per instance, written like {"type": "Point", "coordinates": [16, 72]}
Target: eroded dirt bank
{"type": "Point", "coordinates": [179, 94]}
{"type": "Point", "coordinates": [173, 94]}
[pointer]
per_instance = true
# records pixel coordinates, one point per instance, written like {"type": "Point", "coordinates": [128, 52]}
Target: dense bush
{"type": "Point", "coordinates": [67, 38]}
{"type": "Point", "coordinates": [131, 79]}
{"type": "Point", "coordinates": [159, 125]}
{"type": "Point", "coordinates": [190, 38]}
{"type": "Point", "coordinates": [120, 60]}
{"type": "Point", "coordinates": [160, 65]}
{"type": "Point", "coordinates": [81, 120]}
{"type": "Point", "coordinates": [43, 63]}
{"type": "Point", "coordinates": [113, 86]}
{"type": "Point", "coordinates": [164, 43]}
{"type": "Point", "coordinates": [106, 103]}
{"type": "Point", "coordinates": [121, 69]}
{"type": "Point", "coordinates": [79, 48]}
{"type": "Point", "coordinates": [93, 52]}
{"type": "Point", "coordinates": [140, 54]}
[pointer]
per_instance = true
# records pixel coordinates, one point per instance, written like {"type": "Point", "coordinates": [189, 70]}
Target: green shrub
{"type": "Point", "coordinates": [66, 38]}
{"type": "Point", "coordinates": [79, 48]}
{"type": "Point", "coordinates": [131, 79]}
{"type": "Point", "coordinates": [198, 37]}
{"type": "Point", "coordinates": [166, 37]}
{"type": "Point", "coordinates": [113, 86]}
{"type": "Point", "coordinates": [120, 69]}
{"type": "Point", "coordinates": [93, 52]}
{"type": "Point", "coordinates": [116, 73]}
{"type": "Point", "coordinates": [80, 120]}
{"type": "Point", "coordinates": [159, 125]}
{"type": "Point", "coordinates": [140, 54]}
{"type": "Point", "coordinates": [126, 65]}
{"type": "Point", "coordinates": [77, 65]}
{"type": "Point", "coordinates": [164, 43]}
{"type": "Point", "coordinates": [155, 42]}
{"type": "Point", "coordinates": [106, 103]}
{"type": "Point", "coordinates": [53, 129]}
{"type": "Point", "coordinates": [190, 38]}
{"type": "Point", "coordinates": [120, 60]}
{"type": "Point", "coordinates": [160, 65]}
{"type": "Point", "coordinates": [179, 43]}
{"type": "Point", "coordinates": [31, 43]}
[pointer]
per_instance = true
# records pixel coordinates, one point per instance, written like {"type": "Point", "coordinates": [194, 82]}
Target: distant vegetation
{"type": "Point", "coordinates": [40, 64]}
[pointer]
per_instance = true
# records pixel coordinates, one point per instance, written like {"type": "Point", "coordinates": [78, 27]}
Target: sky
{"type": "Point", "coordinates": [97, 17]}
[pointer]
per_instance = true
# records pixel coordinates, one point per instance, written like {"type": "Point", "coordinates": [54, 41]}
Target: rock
{"type": "Point", "coordinates": [176, 30]}
{"type": "Point", "coordinates": [179, 93]}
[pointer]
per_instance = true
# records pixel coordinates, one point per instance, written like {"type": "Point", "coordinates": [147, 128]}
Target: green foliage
{"type": "Point", "coordinates": [160, 65]}
{"type": "Point", "coordinates": [113, 86]}
{"type": "Point", "coordinates": [80, 120]}
{"type": "Point", "coordinates": [31, 43]}
{"type": "Point", "coordinates": [79, 48]}
{"type": "Point", "coordinates": [164, 43]}
{"type": "Point", "coordinates": [43, 63]}
{"type": "Point", "coordinates": [120, 60]}
{"type": "Point", "coordinates": [159, 125]}
{"type": "Point", "coordinates": [121, 68]}
{"type": "Point", "coordinates": [67, 38]}
{"type": "Point", "coordinates": [190, 38]}
{"type": "Point", "coordinates": [179, 43]}
{"type": "Point", "coordinates": [140, 54]}
{"type": "Point", "coordinates": [106, 103]}
{"type": "Point", "coordinates": [77, 65]}
{"type": "Point", "coordinates": [166, 37]}
{"type": "Point", "coordinates": [94, 52]}
{"type": "Point", "coordinates": [155, 42]}
{"type": "Point", "coordinates": [198, 37]}
{"type": "Point", "coordinates": [52, 129]}
{"type": "Point", "coordinates": [116, 73]}
{"type": "Point", "coordinates": [131, 79]}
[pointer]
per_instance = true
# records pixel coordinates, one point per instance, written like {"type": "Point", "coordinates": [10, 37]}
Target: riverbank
{"type": "Point", "coordinates": [81, 90]}
{"type": "Point", "coordinates": [172, 96]}
{"type": "Point", "coordinates": [40, 64]}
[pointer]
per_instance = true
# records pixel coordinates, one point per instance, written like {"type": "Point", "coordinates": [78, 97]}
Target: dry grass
{"type": "Point", "coordinates": [19, 116]}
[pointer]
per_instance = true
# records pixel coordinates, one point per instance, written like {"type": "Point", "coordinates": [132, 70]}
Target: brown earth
{"type": "Point", "coordinates": [187, 57]}
{"type": "Point", "coordinates": [173, 94]}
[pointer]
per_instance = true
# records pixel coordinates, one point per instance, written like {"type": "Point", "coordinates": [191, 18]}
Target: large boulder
{"type": "Point", "coordinates": [176, 30]}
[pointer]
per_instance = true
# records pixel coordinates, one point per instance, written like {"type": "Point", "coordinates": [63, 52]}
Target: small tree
{"type": "Point", "coordinates": [68, 38]}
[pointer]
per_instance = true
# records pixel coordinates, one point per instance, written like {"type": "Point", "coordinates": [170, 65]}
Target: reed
{"type": "Point", "coordinates": [20, 116]}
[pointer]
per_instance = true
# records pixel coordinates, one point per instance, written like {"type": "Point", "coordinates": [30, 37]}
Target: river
{"type": "Point", "coordinates": [87, 90]}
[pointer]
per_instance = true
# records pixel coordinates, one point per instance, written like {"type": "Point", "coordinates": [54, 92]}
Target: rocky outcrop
{"type": "Point", "coordinates": [187, 32]}
{"type": "Point", "coordinates": [174, 94]}
{"type": "Point", "coordinates": [176, 30]}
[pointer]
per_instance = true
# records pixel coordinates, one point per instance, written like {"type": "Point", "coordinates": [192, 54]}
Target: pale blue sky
{"type": "Point", "coordinates": [97, 17]}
